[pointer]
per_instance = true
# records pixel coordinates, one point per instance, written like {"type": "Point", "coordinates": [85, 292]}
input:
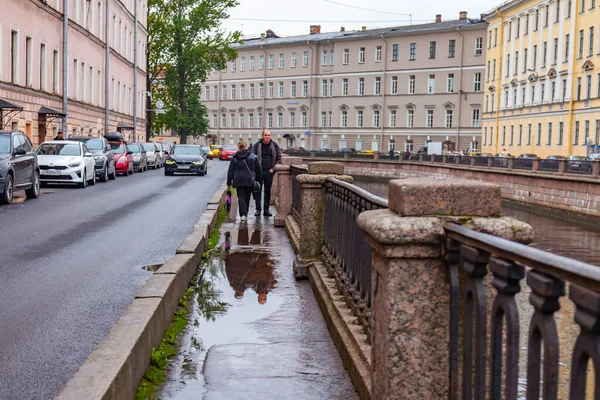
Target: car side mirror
{"type": "Point", "coordinates": [144, 152]}
{"type": "Point", "coordinates": [89, 154]}
{"type": "Point", "coordinates": [20, 151]}
{"type": "Point", "coordinates": [129, 152]}
{"type": "Point", "coordinates": [108, 148]}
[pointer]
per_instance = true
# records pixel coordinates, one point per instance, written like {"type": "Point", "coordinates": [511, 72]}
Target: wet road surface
{"type": "Point", "coordinates": [71, 262]}
{"type": "Point", "coordinates": [256, 333]}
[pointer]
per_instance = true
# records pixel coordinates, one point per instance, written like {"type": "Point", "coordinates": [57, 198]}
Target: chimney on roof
{"type": "Point", "coordinates": [262, 36]}
{"type": "Point", "coordinates": [462, 15]}
{"type": "Point", "coordinates": [438, 18]}
{"type": "Point", "coordinates": [314, 29]}
{"type": "Point", "coordinates": [342, 29]}
{"type": "Point", "coordinates": [364, 28]}
{"type": "Point", "coordinates": [270, 33]}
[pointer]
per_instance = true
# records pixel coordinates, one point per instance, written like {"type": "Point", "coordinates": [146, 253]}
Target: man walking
{"type": "Point", "coordinates": [269, 155]}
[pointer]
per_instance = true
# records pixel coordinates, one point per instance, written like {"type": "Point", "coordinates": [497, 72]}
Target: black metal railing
{"type": "Point", "coordinates": [501, 162]}
{"type": "Point", "coordinates": [481, 161]}
{"type": "Point", "coordinates": [523, 163]}
{"type": "Point", "coordinates": [474, 255]}
{"type": "Point", "coordinates": [581, 167]}
{"type": "Point", "coordinates": [451, 159]}
{"type": "Point", "coordinates": [346, 251]}
{"type": "Point", "coordinates": [548, 165]}
{"type": "Point", "coordinates": [438, 158]}
{"type": "Point", "coordinates": [297, 190]}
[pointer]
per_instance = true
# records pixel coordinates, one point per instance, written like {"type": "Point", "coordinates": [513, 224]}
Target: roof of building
{"type": "Point", "coordinates": [390, 31]}
{"type": "Point", "coordinates": [504, 6]}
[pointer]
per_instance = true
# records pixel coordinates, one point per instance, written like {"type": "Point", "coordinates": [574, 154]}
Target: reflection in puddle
{"type": "Point", "coordinates": [153, 267]}
{"type": "Point", "coordinates": [231, 293]}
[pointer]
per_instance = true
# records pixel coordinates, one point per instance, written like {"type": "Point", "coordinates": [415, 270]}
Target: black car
{"type": "Point", "coordinates": [104, 158]}
{"type": "Point", "coordinates": [186, 158]}
{"type": "Point", "coordinates": [19, 169]}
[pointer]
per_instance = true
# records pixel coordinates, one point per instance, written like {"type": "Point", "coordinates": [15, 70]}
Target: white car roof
{"type": "Point", "coordinates": [61, 142]}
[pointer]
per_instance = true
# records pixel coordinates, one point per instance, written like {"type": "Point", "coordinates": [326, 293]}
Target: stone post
{"type": "Point", "coordinates": [421, 157]}
{"type": "Point", "coordinates": [444, 157]}
{"type": "Point", "coordinates": [346, 154]}
{"type": "Point", "coordinates": [312, 212]}
{"type": "Point", "coordinates": [596, 168]}
{"type": "Point", "coordinates": [376, 155]}
{"type": "Point", "coordinates": [313, 154]}
{"type": "Point", "coordinates": [490, 162]}
{"type": "Point", "coordinates": [472, 159]}
{"type": "Point", "coordinates": [562, 166]}
{"type": "Point", "coordinates": [536, 165]}
{"type": "Point", "coordinates": [283, 202]}
{"type": "Point", "coordinates": [457, 160]}
{"type": "Point", "coordinates": [510, 163]}
{"type": "Point", "coordinates": [410, 292]}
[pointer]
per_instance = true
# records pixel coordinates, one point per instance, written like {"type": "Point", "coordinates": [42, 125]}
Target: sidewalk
{"type": "Point", "coordinates": [256, 332]}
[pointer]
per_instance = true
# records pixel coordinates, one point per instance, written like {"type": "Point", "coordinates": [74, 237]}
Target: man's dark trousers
{"type": "Point", "coordinates": [266, 186]}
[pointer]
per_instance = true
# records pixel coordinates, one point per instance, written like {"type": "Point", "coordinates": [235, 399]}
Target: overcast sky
{"type": "Point", "coordinates": [293, 17]}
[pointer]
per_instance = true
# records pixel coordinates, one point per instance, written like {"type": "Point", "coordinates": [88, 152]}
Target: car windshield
{"type": "Point", "coordinates": [118, 148]}
{"type": "Point", "coordinates": [135, 148]}
{"type": "Point", "coordinates": [94, 144]}
{"type": "Point", "coordinates": [215, 147]}
{"type": "Point", "coordinates": [579, 158]}
{"type": "Point", "coordinates": [149, 147]}
{"type": "Point", "coordinates": [230, 148]}
{"type": "Point", "coordinates": [4, 144]}
{"type": "Point", "coordinates": [186, 150]}
{"type": "Point", "coordinates": [59, 149]}
{"type": "Point", "coordinates": [205, 148]}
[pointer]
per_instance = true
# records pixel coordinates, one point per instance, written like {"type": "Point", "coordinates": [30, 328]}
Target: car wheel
{"type": "Point", "coordinates": [93, 180]}
{"type": "Point", "coordinates": [34, 191]}
{"type": "Point", "coordinates": [104, 177]}
{"type": "Point", "coordinates": [7, 195]}
{"type": "Point", "coordinates": [132, 171]}
{"type": "Point", "coordinates": [83, 183]}
{"type": "Point", "coordinates": [113, 176]}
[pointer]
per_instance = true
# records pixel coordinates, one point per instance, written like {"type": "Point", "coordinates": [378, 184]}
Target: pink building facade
{"type": "Point", "coordinates": [32, 67]}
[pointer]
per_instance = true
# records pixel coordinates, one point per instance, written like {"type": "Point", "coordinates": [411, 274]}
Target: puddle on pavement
{"type": "Point", "coordinates": [236, 286]}
{"type": "Point", "coordinates": [152, 267]}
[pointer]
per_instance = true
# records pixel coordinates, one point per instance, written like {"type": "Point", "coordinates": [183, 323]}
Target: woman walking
{"type": "Point", "coordinates": [244, 171]}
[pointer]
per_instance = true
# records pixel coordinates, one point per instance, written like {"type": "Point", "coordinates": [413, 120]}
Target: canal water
{"type": "Point", "coordinates": [556, 234]}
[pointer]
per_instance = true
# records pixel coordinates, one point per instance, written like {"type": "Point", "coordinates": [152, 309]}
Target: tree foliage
{"type": "Point", "coordinates": [186, 43]}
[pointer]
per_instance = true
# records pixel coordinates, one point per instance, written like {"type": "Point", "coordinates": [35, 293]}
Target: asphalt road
{"type": "Point", "coordinates": [71, 262]}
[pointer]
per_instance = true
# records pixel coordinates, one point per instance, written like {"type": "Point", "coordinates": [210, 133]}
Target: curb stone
{"type": "Point", "coordinates": [116, 366]}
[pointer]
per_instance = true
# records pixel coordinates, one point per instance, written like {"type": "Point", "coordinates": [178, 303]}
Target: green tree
{"type": "Point", "coordinates": [190, 43]}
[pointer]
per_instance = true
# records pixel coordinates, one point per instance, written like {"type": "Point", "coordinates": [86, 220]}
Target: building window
{"type": "Point", "coordinates": [293, 89]}
{"type": "Point", "coordinates": [448, 118]}
{"type": "Point", "coordinates": [55, 71]}
{"type": "Point", "coordinates": [261, 89]}
{"type": "Point", "coordinates": [271, 61]}
{"type": "Point", "coordinates": [223, 93]}
{"type": "Point", "coordinates": [346, 57]}
{"type": "Point", "coordinates": [294, 60]}
{"type": "Point", "coordinates": [552, 90]}
{"type": "Point", "coordinates": [280, 91]}
{"type": "Point", "coordinates": [525, 60]}
{"type": "Point", "coordinates": [241, 120]}
{"type": "Point", "coordinates": [359, 118]}
{"type": "Point", "coordinates": [586, 132]}
{"type": "Point", "coordinates": [279, 119]}
{"type": "Point", "coordinates": [549, 142]}
{"type": "Point", "coordinates": [305, 59]}
{"type": "Point", "coordinates": [261, 62]}
{"type": "Point", "coordinates": [578, 95]}
{"type": "Point", "coordinates": [429, 122]}
{"type": "Point", "coordinates": [567, 47]}
{"type": "Point", "coordinates": [477, 82]}
{"type": "Point", "coordinates": [485, 136]}
{"type": "Point", "coordinates": [564, 92]}
{"type": "Point", "coordinates": [494, 69]}
{"type": "Point", "coordinates": [392, 118]}
{"type": "Point", "coordinates": [325, 58]}
{"type": "Point", "coordinates": [281, 61]}
{"type": "Point", "coordinates": [495, 37]}
{"type": "Point", "coordinates": [452, 47]}
{"type": "Point", "coordinates": [597, 131]}
{"type": "Point", "coordinates": [538, 141]}
{"type": "Point", "coordinates": [42, 82]}
{"type": "Point", "coordinates": [232, 92]}
{"type": "Point", "coordinates": [394, 85]}
{"type": "Point", "coordinates": [331, 57]}
{"type": "Point", "coordinates": [361, 55]}
{"type": "Point", "coordinates": [304, 88]}
{"type": "Point", "coordinates": [361, 86]}
{"type": "Point", "coordinates": [304, 118]}
{"type": "Point", "coordinates": [251, 120]}
{"type": "Point", "coordinates": [560, 133]}
{"type": "Point", "coordinates": [580, 52]}
{"type": "Point", "coordinates": [345, 87]}
{"type": "Point", "coordinates": [243, 64]}
{"type": "Point", "coordinates": [588, 84]}
{"type": "Point", "coordinates": [270, 90]}
{"type": "Point", "coordinates": [223, 120]}
{"type": "Point", "coordinates": [410, 118]}
{"type": "Point", "coordinates": [432, 46]}
{"type": "Point", "coordinates": [546, 15]}
{"type": "Point", "coordinates": [431, 84]}
{"type": "Point", "coordinates": [507, 65]}
{"type": "Point", "coordinates": [377, 88]}
{"type": "Point", "coordinates": [378, 54]}
{"type": "Point", "coordinates": [395, 52]}
{"type": "Point", "coordinates": [512, 135]}
{"type": "Point", "coordinates": [411, 84]}
{"type": "Point", "coordinates": [516, 63]}
{"type": "Point", "coordinates": [412, 55]}
{"type": "Point", "coordinates": [591, 42]}
{"type": "Point", "coordinates": [269, 120]}
{"type": "Point", "coordinates": [557, 16]}
{"type": "Point", "coordinates": [509, 37]}
{"type": "Point", "coordinates": [232, 120]}
{"type": "Point", "coordinates": [476, 117]}
{"type": "Point", "coordinates": [331, 88]}
{"type": "Point", "coordinates": [329, 119]}
{"type": "Point", "coordinates": [570, 2]}
{"type": "Point", "coordinates": [478, 46]}
{"type": "Point", "coordinates": [375, 118]}
{"type": "Point", "coordinates": [324, 87]}
{"type": "Point", "coordinates": [555, 55]}
{"type": "Point", "coordinates": [260, 120]}
{"type": "Point", "coordinates": [576, 135]}
{"type": "Point", "coordinates": [450, 83]}
{"type": "Point", "coordinates": [503, 135]}
{"type": "Point", "coordinates": [520, 135]}
{"type": "Point", "coordinates": [344, 121]}
{"type": "Point", "coordinates": [233, 65]}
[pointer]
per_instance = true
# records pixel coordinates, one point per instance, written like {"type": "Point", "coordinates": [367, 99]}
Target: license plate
{"type": "Point", "coordinates": [183, 167]}
{"type": "Point", "coordinates": [51, 172]}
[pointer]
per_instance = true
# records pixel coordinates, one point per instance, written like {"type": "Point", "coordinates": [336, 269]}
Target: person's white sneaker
{"type": "Point", "coordinates": [244, 218]}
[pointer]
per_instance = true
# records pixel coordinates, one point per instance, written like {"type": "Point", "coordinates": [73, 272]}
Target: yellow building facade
{"type": "Point", "coordinates": [542, 79]}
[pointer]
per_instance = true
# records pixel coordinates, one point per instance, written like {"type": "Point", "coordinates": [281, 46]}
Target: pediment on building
{"type": "Point", "coordinates": [533, 77]}
{"type": "Point", "coordinates": [411, 106]}
{"type": "Point", "coordinates": [588, 65]}
{"type": "Point", "coordinates": [375, 106]}
{"type": "Point", "coordinates": [551, 73]}
{"type": "Point", "coordinates": [448, 105]}
{"type": "Point", "coordinates": [343, 107]}
{"type": "Point", "coordinates": [492, 88]}
{"type": "Point", "coordinates": [514, 82]}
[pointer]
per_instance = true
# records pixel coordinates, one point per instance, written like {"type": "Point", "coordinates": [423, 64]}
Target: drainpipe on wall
{"type": "Point", "coordinates": [106, 66]}
{"type": "Point", "coordinates": [311, 63]}
{"type": "Point", "coordinates": [135, 56]}
{"type": "Point", "coordinates": [384, 84]}
{"type": "Point", "coordinates": [219, 107]}
{"type": "Point", "coordinates": [265, 89]}
{"type": "Point", "coordinates": [460, 81]}
{"type": "Point", "coordinates": [499, 87]}
{"type": "Point", "coordinates": [65, 47]}
{"type": "Point", "coordinates": [570, 131]}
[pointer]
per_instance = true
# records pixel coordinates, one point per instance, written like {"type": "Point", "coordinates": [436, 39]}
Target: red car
{"type": "Point", "coordinates": [123, 157]}
{"type": "Point", "coordinates": [227, 152]}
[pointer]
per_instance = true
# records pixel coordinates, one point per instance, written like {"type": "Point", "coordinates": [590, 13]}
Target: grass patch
{"type": "Point", "coordinates": [216, 233]}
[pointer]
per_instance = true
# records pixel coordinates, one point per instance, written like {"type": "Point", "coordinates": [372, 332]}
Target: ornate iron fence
{"type": "Point", "coordinates": [523, 163]}
{"type": "Point", "coordinates": [548, 165]}
{"type": "Point", "coordinates": [297, 190]}
{"type": "Point", "coordinates": [346, 251]}
{"type": "Point", "coordinates": [500, 162]}
{"type": "Point", "coordinates": [481, 161]}
{"type": "Point", "coordinates": [476, 254]}
{"type": "Point", "coordinates": [581, 167]}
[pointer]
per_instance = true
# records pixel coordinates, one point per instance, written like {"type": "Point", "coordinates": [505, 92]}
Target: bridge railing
{"type": "Point", "coordinates": [345, 248]}
{"type": "Point", "coordinates": [296, 170]}
{"type": "Point", "coordinates": [478, 255]}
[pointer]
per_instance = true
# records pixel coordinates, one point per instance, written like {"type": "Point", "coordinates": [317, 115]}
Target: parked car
{"type": "Point", "coordinates": [291, 150]}
{"type": "Point", "coordinates": [123, 155]}
{"type": "Point", "coordinates": [347, 150]}
{"type": "Point", "coordinates": [366, 152]}
{"type": "Point", "coordinates": [186, 158]}
{"type": "Point", "coordinates": [153, 155]}
{"type": "Point", "coordinates": [165, 147]}
{"type": "Point", "coordinates": [227, 152]}
{"type": "Point", "coordinates": [104, 158]}
{"type": "Point", "coordinates": [321, 150]}
{"type": "Point", "coordinates": [66, 161]}
{"type": "Point", "coordinates": [528, 155]}
{"type": "Point", "coordinates": [578, 163]}
{"type": "Point", "coordinates": [556, 157]}
{"type": "Point", "coordinates": [206, 151]}
{"type": "Point", "coordinates": [19, 169]}
{"type": "Point", "coordinates": [140, 159]}
{"type": "Point", "coordinates": [215, 150]}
